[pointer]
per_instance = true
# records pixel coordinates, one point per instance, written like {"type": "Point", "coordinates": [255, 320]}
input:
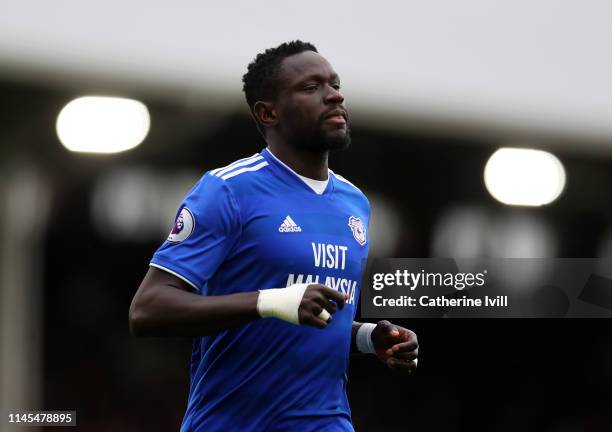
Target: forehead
{"type": "Point", "coordinates": [300, 66]}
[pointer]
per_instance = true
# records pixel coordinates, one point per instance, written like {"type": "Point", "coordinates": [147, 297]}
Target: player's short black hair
{"type": "Point", "coordinates": [259, 81]}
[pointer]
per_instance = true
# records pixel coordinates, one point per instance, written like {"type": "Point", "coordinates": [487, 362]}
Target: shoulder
{"type": "Point", "coordinates": [348, 187]}
{"type": "Point", "coordinates": [241, 170]}
{"type": "Point", "coordinates": [217, 185]}
{"type": "Point", "coordinates": [224, 181]}
{"type": "Point", "coordinates": [226, 187]}
{"type": "Point", "coordinates": [346, 182]}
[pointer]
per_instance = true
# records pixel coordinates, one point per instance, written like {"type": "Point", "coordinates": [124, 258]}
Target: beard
{"type": "Point", "coordinates": [322, 139]}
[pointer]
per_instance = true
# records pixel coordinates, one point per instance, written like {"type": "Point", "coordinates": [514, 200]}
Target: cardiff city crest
{"type": "Point", "coordinates": [358, 228]}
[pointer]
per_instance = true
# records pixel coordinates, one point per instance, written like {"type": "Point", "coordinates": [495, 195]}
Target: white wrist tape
{"type": "Point", "coordinates": [281, 303]}
{"type": "Point", "coordinates": [324, 315]}
{"type": "Point", "coordinates": [363, 338]}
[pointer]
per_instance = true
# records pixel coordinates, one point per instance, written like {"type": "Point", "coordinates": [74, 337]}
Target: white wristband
{"type": "Point", "coordinates": [281, 303]}
{"type": "Point", "coordinates": [363, 338]}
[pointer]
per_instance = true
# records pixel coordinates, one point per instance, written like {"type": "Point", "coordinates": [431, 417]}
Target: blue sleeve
{"type": "Point", "coordinates": [206, 228]}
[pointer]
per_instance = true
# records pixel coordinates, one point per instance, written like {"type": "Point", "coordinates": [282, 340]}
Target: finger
{"type": "Point", "coordinates": [317, 322]}
{"type": "Point", "coordinates": [404, 347]}
{"type": "Point", "coordinates": [325, 303]}
{"type": "Point", "coordinates": [320, 315]}
{"type": "Point", "coordinates": [388, 328]}
{"type": "Point", "coordinates": [407, 335]}
{"type": "Point", "coordinates": [326, 293]}
{"type": "Point", "coordinates": [403, 334]}
{"type": "Point", "coordinates": [408, 356]}
{"type": "Point", "coordinates": [324, 315]}
{"type": "Point", "coordinates": [334, 295]}
{"type": "Point", "coordinates": [309, 317]}
{"type": "Point", "coordinates": [399, 363]}
{"type": "Point", "coordinates": [406, 365]}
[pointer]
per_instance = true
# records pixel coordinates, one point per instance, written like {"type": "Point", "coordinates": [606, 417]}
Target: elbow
{"type": "Point", "coordinates": [137, 320]}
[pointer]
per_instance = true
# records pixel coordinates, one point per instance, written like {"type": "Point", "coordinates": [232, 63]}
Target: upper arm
{"type": "Point", "coordinates": [156, 278]}
{"type": "Point", "coordinates": [206, 229]}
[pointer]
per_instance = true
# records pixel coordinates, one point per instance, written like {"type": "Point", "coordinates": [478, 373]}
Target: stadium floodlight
{"type": "Point", "coordinates": [524, 177]}
{"type": "Point", "coordinates": [96, 124]}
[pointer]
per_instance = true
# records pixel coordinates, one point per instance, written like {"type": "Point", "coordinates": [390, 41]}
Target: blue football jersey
{"type": "Point", "coordinates": [254, 225]}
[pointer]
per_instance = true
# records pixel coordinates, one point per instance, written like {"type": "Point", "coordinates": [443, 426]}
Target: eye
{"type": "Point", "coordinates": [311, 87]}
{"type": "Point", "coordinates": [336, 86]}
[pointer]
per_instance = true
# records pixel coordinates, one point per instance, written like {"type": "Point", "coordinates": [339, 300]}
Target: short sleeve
{"type": "Point", "coordinates": [206, 228]}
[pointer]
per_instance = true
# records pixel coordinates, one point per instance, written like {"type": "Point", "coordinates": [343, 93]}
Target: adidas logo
{"type": "Point", "coordinates": [289, 226]}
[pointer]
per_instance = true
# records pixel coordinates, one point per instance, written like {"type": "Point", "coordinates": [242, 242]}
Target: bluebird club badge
{"type": "Point", "coordinates": [358, 228]}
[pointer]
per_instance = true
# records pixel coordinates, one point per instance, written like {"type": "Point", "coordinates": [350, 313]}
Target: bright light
{"type": "Point", "coordinates": [524, 177]}
{"type": "Point", "coordinates": [96, 124]}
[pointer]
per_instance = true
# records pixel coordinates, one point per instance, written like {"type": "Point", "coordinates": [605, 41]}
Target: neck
{"type": "Point", "coordinates": [306, 163]}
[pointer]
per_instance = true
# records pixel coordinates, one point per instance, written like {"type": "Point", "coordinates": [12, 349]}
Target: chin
{"type": "Point", "coordinates": [338, 141]}
{"type": "Point", "coordinates": [324, 141]}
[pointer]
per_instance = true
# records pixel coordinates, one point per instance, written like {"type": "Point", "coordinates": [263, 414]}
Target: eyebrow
{"type": "Point", "coordinates": [319, 77]}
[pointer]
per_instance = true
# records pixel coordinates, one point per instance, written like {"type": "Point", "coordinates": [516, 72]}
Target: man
{"type": "Point", "coordinates": [263, 266]}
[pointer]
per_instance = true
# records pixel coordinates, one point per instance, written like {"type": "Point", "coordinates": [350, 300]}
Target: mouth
{"type": "Point", "coordinates": [337, 116]}
{"type": "Point", "coordinates": [335, 120]}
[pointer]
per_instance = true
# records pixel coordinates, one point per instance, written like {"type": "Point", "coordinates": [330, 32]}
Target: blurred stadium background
{"type": "Point", "coordinates": [434, 89]}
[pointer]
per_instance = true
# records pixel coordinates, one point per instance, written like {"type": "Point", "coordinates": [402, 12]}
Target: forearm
{"type": "Point", "coordinates": [164, 305]}
{"type": "Point", "coordinates": [354, 329]}
{"type": "Point", "coordinates": [170, 311]}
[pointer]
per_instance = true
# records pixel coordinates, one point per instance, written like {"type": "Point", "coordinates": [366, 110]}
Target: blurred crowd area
{"type": "Point", "coordinates": [79, 231]}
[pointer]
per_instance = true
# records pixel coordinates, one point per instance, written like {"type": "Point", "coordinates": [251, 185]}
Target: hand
{"type": "Point", "coordinates": [316, 298]}
{"type": "Point", "coordinates": [396, 346]}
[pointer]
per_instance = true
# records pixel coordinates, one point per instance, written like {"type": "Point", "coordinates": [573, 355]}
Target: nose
{"type": "Point", "coordinates": [334, 96]}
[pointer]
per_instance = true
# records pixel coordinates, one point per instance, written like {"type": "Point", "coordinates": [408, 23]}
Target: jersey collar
{"type": "Point", "coordinates": [266, 153]}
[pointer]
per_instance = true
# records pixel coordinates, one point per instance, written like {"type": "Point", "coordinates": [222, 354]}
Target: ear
{"type": "Point", "coordinates": [265, 113]}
